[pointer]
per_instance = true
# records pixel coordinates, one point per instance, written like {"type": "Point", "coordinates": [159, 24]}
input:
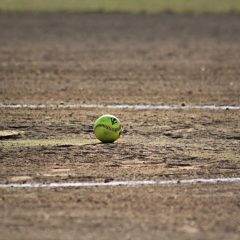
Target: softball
{"type": "Point", "coordinates": [107, 128]}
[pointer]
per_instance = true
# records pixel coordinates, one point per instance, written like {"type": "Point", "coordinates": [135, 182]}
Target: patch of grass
{"type": "Point", "coordinates": [46, 142]}
{"type": "Point", "coordinates": [133, 6]}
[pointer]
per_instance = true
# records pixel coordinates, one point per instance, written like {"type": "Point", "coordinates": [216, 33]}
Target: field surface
{"type": "Point", "coordinates": [162, 59]}
{"type": "Point", "coordinates": [130, 6]}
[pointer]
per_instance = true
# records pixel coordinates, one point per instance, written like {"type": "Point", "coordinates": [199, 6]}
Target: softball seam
{"type": "Point", "coordinates": [108, 128]}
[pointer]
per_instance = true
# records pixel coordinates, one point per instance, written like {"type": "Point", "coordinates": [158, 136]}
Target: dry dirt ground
{"type": "Point", "coordinates": [120, 58]}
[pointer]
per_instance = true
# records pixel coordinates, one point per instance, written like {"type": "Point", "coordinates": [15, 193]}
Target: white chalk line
{"type": "Point", "coordinates": [120, 183]}
{"type": "Point", "coordinates": [117, 106]}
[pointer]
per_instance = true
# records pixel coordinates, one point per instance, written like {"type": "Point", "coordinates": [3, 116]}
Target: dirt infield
{"type": "Point", "coordinates": [117, 59]}
{"type": "Point", "coordinates": [184, 212]}
{"type": "Point", "coordinates": [155, 144]}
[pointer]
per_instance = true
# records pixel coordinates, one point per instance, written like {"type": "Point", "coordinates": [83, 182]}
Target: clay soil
{"type": "Point", "coordinates": [117, 59]}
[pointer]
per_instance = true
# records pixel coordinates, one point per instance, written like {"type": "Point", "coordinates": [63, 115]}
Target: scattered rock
{"type": "Point", "coordinates": [9, 134]}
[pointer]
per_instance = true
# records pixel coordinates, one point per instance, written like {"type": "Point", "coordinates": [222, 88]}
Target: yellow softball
{"type": "Point", "coordinates": [107, 128]}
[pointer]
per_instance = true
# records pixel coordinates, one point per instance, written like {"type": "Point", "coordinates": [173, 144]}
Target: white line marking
{"type": "Point", "coordinates": [117, 106]}
{"type": "Point", "coordinates": [120, 183]}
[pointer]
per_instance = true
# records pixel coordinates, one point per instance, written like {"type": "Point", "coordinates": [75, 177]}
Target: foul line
{"type": "Point", "coordinates": [117, 106]}
{"type": "Point", "coordinates": [120, 183]}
